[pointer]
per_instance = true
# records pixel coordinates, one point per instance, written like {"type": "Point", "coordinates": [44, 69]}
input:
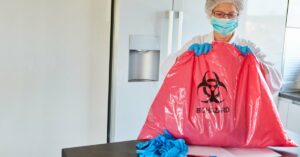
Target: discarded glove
{"type": "Point", "coordinates": [162, 146]}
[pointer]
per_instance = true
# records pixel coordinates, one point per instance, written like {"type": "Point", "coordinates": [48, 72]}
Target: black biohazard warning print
{"type": "Point", "coordinates": [211, 88]}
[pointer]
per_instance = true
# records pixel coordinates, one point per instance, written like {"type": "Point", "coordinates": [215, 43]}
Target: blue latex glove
{"type": "Point", "coordinates": [243, 49]}
{"type": "Point", "coordinates": [200, 48]}
{"type": "Point", "coordinates": [162, 146]}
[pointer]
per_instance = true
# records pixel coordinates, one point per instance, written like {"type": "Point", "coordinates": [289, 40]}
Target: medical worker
{"type": "Point", "coordinates": [224, 19]}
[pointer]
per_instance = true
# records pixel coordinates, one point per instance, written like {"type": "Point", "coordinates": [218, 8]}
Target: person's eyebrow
{"type": "Point", "coordinates": [225, 12]}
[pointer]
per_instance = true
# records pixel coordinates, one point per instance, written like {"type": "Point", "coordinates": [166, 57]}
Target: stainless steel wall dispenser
{"type": "Point", "coordinates": [144, 56]}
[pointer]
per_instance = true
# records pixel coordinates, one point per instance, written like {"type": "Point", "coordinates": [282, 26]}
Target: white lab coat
{"type": "Point", "coordinates": [273, 77]}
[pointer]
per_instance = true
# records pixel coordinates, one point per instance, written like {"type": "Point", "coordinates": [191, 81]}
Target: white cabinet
{"type": "Point", "coordinates": [293, 118]}
{"type": "Point", "coordinates": [289, 112]}
{"type": "Point", "coordinates": [283, 109]}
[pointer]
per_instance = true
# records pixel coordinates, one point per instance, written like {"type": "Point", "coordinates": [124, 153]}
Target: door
{"type": "Point", "coordinates": [132, 100]}
{"type": "Point", "coordinates": [194, 23]}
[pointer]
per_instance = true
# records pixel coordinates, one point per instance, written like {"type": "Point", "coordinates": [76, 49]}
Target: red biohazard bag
{"type": "Point", "coordinates": [217, 99]}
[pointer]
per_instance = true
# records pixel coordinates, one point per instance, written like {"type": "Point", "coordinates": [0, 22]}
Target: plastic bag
{"type": "Point", "coordinates": [217, 99]}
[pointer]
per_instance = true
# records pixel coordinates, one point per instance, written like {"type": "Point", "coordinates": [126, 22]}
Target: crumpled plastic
{"type": "Point", "coordinates": [162, 146]}
{"type": "Point", "coordinates": [217, 99]}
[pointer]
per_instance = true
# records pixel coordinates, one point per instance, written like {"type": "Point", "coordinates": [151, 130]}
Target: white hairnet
{"type": "Point", "coordinates": [211, 4]}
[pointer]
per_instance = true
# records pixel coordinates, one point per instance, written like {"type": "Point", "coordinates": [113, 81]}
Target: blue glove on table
{"type": "Point", "coordinates": [162, 146]}
{"type": "Point", "coordinates": [200, 48]}
{"type": "Point", "coordinates": [243, 49]}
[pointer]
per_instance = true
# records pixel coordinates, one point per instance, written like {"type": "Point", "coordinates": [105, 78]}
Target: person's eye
{"type": "Point", "coordinates": [232, 15]}
{"type": "Point", "coordinates": [219, 14]}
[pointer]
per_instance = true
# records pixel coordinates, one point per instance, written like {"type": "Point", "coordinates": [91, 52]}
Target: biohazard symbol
{"type": "Point", "coordinates": [211, 88]}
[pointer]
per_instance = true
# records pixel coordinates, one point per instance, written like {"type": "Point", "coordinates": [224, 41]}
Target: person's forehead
{"type": "Point", "coordinates": [226, 7]}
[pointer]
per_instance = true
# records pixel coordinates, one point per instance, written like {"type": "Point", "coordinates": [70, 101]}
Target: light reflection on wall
{"type": "Point", "coordinates": [264, 24]}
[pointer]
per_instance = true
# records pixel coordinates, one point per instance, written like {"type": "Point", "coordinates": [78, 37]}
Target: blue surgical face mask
{"type": "Point", "coordinates": [224, 26]}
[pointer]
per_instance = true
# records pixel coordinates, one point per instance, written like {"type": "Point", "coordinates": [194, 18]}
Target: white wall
{"type": "Point", "coordinates": [53, 75]}
{"type": "Point", "coordinates": [265, 23]}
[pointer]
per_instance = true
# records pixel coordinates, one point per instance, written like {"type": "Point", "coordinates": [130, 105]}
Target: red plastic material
{"type": "Point", "coordinates": [217, 99]}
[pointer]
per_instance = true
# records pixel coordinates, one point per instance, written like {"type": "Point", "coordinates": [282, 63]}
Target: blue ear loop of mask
{"type": "Point", "coordinates": [224, 26]}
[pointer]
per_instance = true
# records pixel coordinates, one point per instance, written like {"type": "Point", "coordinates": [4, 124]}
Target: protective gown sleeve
{"type": "Point", "coordinates": [272, 75]}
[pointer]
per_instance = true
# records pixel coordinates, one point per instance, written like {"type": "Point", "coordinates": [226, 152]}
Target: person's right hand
{"type": "Point", "coordinates": [200, 48]}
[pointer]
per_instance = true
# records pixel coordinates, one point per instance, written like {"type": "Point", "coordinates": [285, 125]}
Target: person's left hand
{"type": "Point", "coordinates": [243, 49]}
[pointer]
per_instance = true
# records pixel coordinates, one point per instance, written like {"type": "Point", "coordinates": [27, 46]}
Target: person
{"type": "Point", "coordinates": [224, 18]}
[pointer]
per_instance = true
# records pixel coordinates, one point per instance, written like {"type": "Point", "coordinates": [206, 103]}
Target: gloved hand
{"type": "Point", "coordinates": [200, 48]}
{"type": "Point", "coordinates": [243, 49]}
{"type": "Point", "coordinates": [162, 146]}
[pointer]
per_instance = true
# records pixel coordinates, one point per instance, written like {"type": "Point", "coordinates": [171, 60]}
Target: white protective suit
{"type": "Point", "coordinates": [273, 77]}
